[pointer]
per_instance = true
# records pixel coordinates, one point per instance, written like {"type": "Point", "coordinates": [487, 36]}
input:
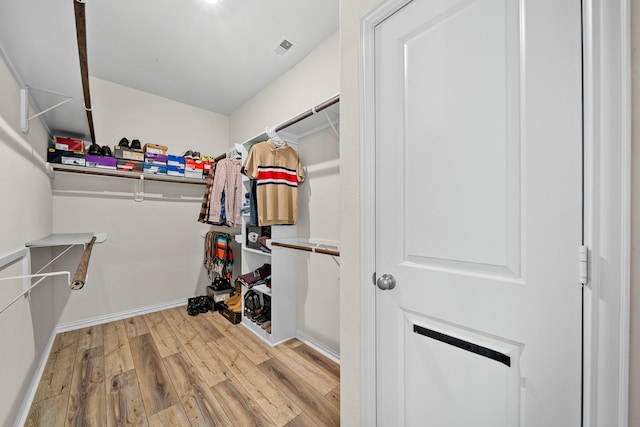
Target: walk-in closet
{"type": "Point", "coordinates": [96, 280]}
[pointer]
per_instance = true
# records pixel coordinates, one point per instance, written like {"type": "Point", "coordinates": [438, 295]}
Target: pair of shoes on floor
{"type": "Point", "coordinates": [96, 150]}
{"type": "Point", "coordinates": [197, 305]}
{"type": "Point", "coordinates": [134, 145]}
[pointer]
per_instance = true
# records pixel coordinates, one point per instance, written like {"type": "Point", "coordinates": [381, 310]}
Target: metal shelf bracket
{"type": "Point", "coordinates": [24, 104]}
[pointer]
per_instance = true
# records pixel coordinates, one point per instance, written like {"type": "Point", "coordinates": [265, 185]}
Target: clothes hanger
{"type": "Point", "coordinates": [275, 139]}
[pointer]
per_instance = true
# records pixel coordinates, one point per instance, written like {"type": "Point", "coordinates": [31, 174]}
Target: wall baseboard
{"type": "Point", "coordinates": [23, 413]}
{"type": "Point", "coordinates": [331, 354]}
{"type": "Point", "coordinates": [118, 316]}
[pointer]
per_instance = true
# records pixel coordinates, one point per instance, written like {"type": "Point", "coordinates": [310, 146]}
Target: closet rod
{"type": "Point", "coordinates": [326, 104]}
{"type": "Point", "coordinates": [307, 248]}
{"type": "Point", "coordinates": [311, 112]}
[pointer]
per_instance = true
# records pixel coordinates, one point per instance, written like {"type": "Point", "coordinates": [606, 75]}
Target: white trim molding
{"type": "Point", "coordinates": [607, 192]}
{"type": "Point", "coordinates": [99, 320]}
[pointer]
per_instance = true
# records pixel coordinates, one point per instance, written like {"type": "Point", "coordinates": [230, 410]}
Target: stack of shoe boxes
{"type": "Point", "coordinates": [175, 165]}
{"type": "Point", "coordinates": [67, 151]}
{"type": "Point", "coordinates": [155, 159]}
{"type": "Point", "coordinates": [193, 168]}
{"type": "Point", "coordinates": [129, 159]}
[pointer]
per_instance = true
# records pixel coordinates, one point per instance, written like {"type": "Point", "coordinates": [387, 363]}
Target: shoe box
{"type": "Point", "coordinates": [219, 296]}
{"type": "Point", "coordinates": [155, 149]}
{"type": "Point", "coordinates": [231, 316]}
{"type": "Point", "coordinates": [175, 170]}
{"type": "Point", "coordinates": [65, 157]}
{"type": "Point", "coordinates": [156, 159]}
{"type": "Point", "coordinates": [125, 153]}
{"type": "Point", "coordinates": [103, 162]}
{"type": "Point", "coordinates": [69, 144]}
{"type": "Point", "coordinates": [177, 161]}
{"type": "Point", "coordinates": [155, 169]}
{"type": "Point", "coordinates": [130, 165]}
{"type": "Point", "coordinates": [193, 168]}
{"type": "Point", "coordinates": [175, 165]}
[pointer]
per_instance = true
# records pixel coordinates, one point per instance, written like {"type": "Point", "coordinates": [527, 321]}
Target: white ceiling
{"type": "Point", "coordinates": [212, 56]}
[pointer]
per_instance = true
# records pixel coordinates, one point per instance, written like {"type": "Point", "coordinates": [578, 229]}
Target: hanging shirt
{"type": "Point", "coordinates": [277, 172]}
{"type": "Point", "coordinates": [227, 181]}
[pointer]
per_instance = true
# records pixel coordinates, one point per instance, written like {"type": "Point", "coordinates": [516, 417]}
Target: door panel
{"type": "Point", "coordinates": [478, 212]}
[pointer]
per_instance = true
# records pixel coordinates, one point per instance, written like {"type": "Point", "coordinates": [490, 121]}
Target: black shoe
{"type": "Point", "coordinates": [124, 142]}
{"type": "Point", "coordinates": [221, 284]}
{"type": "Point", "coordinates": [94, 149]}
{"type": "Point", "coordinates": [193, 306]}
{"type": "Point", "coordinates": [204, 304]}
{"type": "Point", "coordinates": [106, 151]}
{"type": "Point", "coordinates": [135, 144]}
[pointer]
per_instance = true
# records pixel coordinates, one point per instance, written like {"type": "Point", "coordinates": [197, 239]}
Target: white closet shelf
{"type": "Point", "coordinates": [124, 174]}
{"type": "Point", "coordinates": [65, 239]}
{"type": "Point", "coordinates": [262, 288]}
{"type": "Point", "coordinates": [307, 245]}
{"type": "Point", "coordinates": [256, 251]}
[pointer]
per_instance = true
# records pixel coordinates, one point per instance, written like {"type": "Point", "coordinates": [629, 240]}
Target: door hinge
{"type": "Point", "coordinates": [584, 264]}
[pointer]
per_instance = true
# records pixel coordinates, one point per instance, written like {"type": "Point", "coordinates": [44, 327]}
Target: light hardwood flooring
{"type": "Point", "coordinates": [171, 369]}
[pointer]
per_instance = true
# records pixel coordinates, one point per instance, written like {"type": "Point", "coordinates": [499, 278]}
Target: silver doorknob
{"type": "Point", "coordinates": [386, 282]}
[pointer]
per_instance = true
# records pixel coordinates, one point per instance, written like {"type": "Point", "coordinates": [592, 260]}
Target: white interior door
{"type": "Point", "coordinates": [478, 213]}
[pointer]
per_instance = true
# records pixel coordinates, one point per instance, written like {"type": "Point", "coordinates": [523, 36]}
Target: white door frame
{"type": "Point", "coordinates": [607, 177]}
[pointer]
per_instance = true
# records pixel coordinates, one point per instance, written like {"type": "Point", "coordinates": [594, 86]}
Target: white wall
{"type": "Point", "coordinates": [25, 215]}
{"type": "Point", "coordinates": [311, 81]}
{"type": "Point", "coordinates": [318, 316]}
{"type": "Point", "coordinates": [153, 254]}
{"type": "Point", "coordinates": [120, 111]}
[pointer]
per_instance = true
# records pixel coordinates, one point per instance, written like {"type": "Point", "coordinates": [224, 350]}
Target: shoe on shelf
{"type": "Point", "coordinates": [221, 284]}
{"type": "Point", "coordinates": [266, 325]}
{"type": "Point", "coordinates": [106, 150]}
{"type": "Point", "coordinates": [188, 154]}
{"type": "Point", "coordinates": [94, 149]}
{"type": "Point", "coordinates": [124, 142]}
{"type": "Point", "coordinates": [135, 145]}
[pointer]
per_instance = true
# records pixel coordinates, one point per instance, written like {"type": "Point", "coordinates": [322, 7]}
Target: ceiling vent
{"type": "Point", "coordinates": [285, 45]}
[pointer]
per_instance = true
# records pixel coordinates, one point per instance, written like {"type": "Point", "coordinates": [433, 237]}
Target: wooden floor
{"type": "Point", "coordinates": [171, 369]}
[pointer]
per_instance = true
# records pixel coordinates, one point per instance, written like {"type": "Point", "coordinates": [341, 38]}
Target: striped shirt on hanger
{"type": "Point", "coordinates": [277, 172]}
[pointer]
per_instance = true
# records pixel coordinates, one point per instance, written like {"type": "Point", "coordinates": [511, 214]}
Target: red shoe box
{"type": "Point", "coordinates": [69, 144]}
{"type": "Point", "coordinates": [130, 165]}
